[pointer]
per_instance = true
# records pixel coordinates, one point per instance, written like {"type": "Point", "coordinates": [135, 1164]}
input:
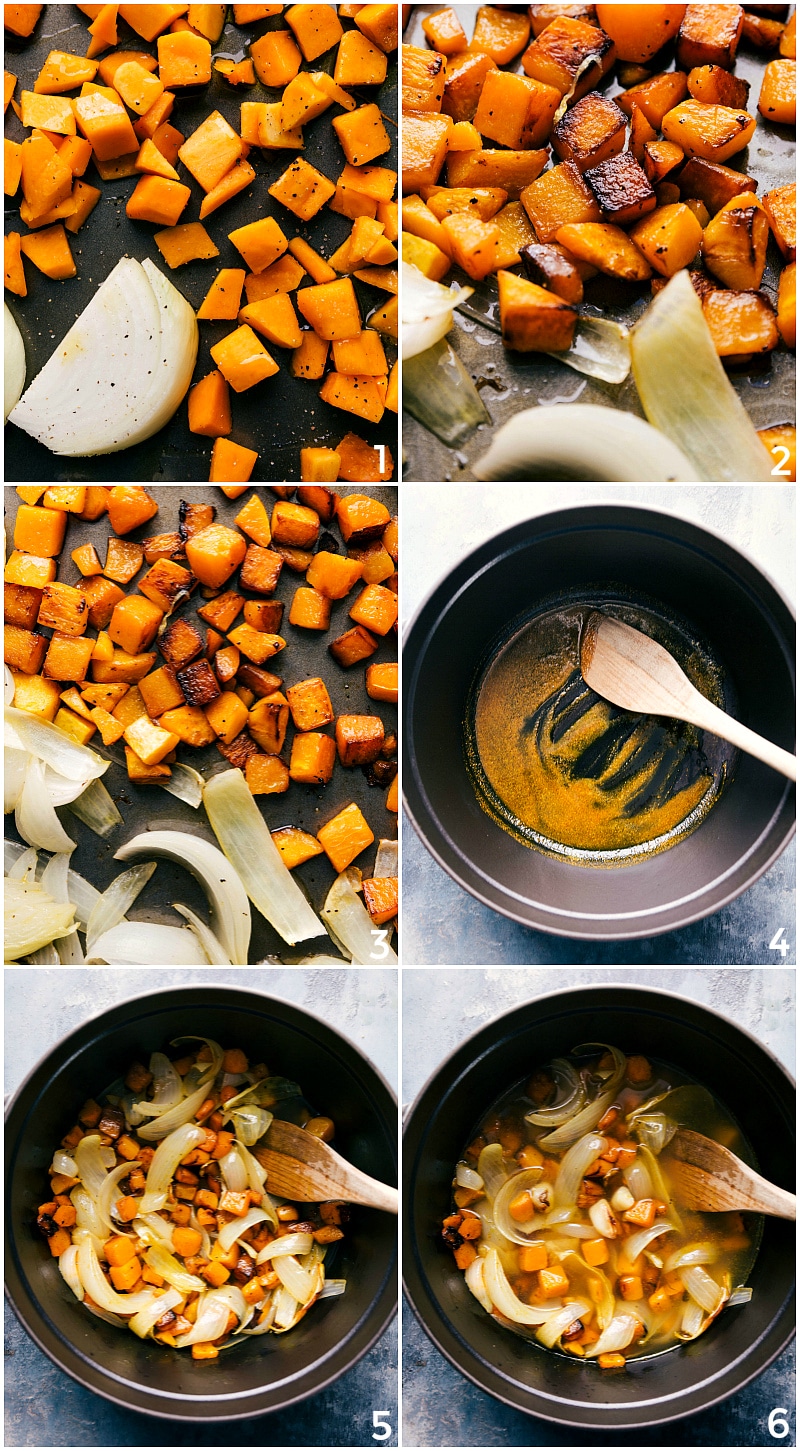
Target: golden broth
{"type": "Point", "coordinates": [591, 1264]}
{"type": "Point", "coordinates": [564, 770]}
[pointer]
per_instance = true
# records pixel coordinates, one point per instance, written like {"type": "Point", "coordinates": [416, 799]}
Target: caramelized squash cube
{"type": "Point", "coordinates": [711, 132]}
{"type": "Point", "coordinates": [655, 97]}
{"type": "Point", "coordinates": [134, 624]}
{"type": "Point", "coordinates": [189, 724]}
{"type": "Point", "coordinates": [332, 575]}
{"type": "Point", "coordinates": [164, 546]}
{"type": "Point", "coordinates": [130, 708]}
{"type": "Point", "coordinates": [87, 560]}
{"type": "Point", "coordinates": [742, 324]}
{"type": "Point", "coordinates": [310, 704]}
{"type": "Point", "coordinates": [123, 560]}
{"type": "Point", "coordinates": [661, 158]}
{"type": "Point", "coordinates": [266, 775]}
{"type": "Point", "coordinates": [621, 188]}
{"type": "Point", "coordinates": [180, 643]}
{"type": "Point", "coordinates": [638, 31]}
{"type": "Point", "coordinates": [501, 32]}
{"type": "Point", "coordinates": [709, 35]}
{"type": "Point", "coordinates": [466, 75]}
{"type": "Point", "coordinates": [267, 722]}
{"type": "Point", "coordinates": [161, 692]}
{"type": "Point", "coordinates": [310, 610]}
{"type": "Point", "coordinates": [198, 683]}
{"type": "Point", "coordinates": [359, 739]}
{"type": "Point", "coordinates": [376, 607]}
{"type": "Point", "coordinates": [312, 759]}
{"type": "Point", "coordinates": [472, 243]}
{"type": "Point", "coordinates": [735, 243]}
{"type": "Point", "coordinates": [36, 695]}
{"type": "Point", "coordinates": [346, 836]}
{"type": "Point", "coordinates": [353, 646]}
{"type": "Point", "coordinates": [382, 682]}
{"type": "Point", "coordinates": [516, 111]}
{"type": "Point", "coordinates": [129, 507]}
{"type": "Point", "coordinates": [550, 267]}
{"type": "Point", "coordinates": [264, 615]}
{"type": "Point", "coordinates": [23, 650]}
{"type": "Point", "coordinates": [68, 657]}
{"type": "Point", "coordinates": [605, 247]}
{"type": "Point", "coordinates": [423, 78]}
{"type": "Point", "coordinates": [71, 500]}
{"type": "Point", "coordinates": [532, 319]}
{"type": "Point", "coordinates": [424, 149]}
{"type": "Point", "coordinates": [787, 305]}
{"type": "Point", "coordinates": [560, 54]}
{"type": "Point", "coordinates": [29, 570]}
{"type": "Point", "coordinates": [381, 898]}
{"type": "Point", "coordinates": [122, 667]}
{"type": "Point", "coordinates": [21, 604]}
{"type": "Point", "coordinates": [255, 644]}
{"type": "Point", "coordinates": [64, 608]}
{"type": "Point", "coordinates": [558, 198]}
{"type": "Point", "coordinates": [39, 531]}
{"type": "Point", "coordinates": [165, 584]}
{"type": "Point", "coordinates": [361, 518]}
{"type": "Point", "coordinates": [590, 132]}
{"type": "Point", "coordinates": [227, 716]}
{"type": "Point", "coordinates": [261, 569]}
{"type": "Point", "coordinates": [294, 525]}
{"type": "Point", "coordinates": [714, 185]}
{"type": "Point", "coordinates": [222, 611]}
{"type": "Point", "coordinates": [777, 100]}
{"type": "Point", "coordinates": [780, 205]}
{"type": "Point", "coordinates": [513, 171]}
{"type": "Point", "coordinates": [294, 845]}
{"type": "Point", "coordinates": [445, 32]}
{"type": "Point", "coordinates": [717, 87]}
{"type": "Point", "coordinates": [214, 553]}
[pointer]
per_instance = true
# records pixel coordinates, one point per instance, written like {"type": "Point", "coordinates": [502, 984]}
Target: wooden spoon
{"type": "Point", "coordinates": [633, 671]}
{"type": "Point", "coordinates": [709, 1177]}
{"type": "Point", "coordinates": [300, 1166]}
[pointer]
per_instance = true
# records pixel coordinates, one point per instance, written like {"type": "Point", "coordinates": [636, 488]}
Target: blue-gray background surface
{"type": "Point", "coordinates": [440, 1010]}
{"type": "Point", "coordinates": [44, 1407]}
{"type": "Point", "coordinates": [441, 523]}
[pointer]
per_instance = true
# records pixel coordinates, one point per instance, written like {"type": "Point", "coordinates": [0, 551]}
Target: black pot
{"type": "Point", "coordinates": [738, 1346]}
{"type": "Point", "coordinates": [270, 1372]}
{"type": "Point", "coordinates": [693, 575]}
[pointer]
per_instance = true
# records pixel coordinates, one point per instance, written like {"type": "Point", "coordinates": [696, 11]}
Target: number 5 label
{"type": "Point", "coordinates": [383, 1430]}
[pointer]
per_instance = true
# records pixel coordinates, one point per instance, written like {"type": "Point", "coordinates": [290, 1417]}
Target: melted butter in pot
{"type": "Point", "coordinates": [566, 771]}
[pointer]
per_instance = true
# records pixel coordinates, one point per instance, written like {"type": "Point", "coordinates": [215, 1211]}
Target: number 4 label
{"type": "Point", "coordinates": [779, 943]}
{"type": "Point", "coordinates": [383, 1430]}
{"type": "Point", "coordinates": [777, 1424]}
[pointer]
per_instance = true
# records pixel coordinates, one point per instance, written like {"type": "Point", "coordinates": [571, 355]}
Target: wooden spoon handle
{"type": "Point", "coordinates": [696, 1189]}
{"type": "Point", "coordinates": [711, 718]}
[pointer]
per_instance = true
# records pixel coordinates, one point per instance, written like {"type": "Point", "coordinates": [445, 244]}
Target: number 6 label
{"type": "Point", "coordinates": [777, 1425]}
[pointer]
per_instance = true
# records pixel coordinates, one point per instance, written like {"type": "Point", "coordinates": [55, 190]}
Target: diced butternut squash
{"type": "Point", "coordinates": [134, 623]}
{"type": "Point", "coordinates": [266, 775]}
{"type": "Point", "coordinates": [243, 360]}
{"type": "Point", "coordinates": [214, 553]}
{"type": "Point", "coordinates": [353, 646]}
{"type": "Point", "coordinates": [605, 247]}
{"type": "Point", "coordinates": [711, 132]}
{"type": "Point", "coordinates": [557, 199]}
{"type": "Point", "coordinates": [106, 125]}
{"type": "Point", "coordinates": [345, 837]}
{"type": "Point", "coordinates": [310, 705]}
{"type": "Point", "coordinates": [445, 32]}
{"type": "Point", "coordinates": [532, 319]}
{"type": "Point", "coordinates": [68, 657]}
{"type": "Point", "coordinates": [639, 31]}
{"type": "Point", "coordinates": [156, 199]}
{"type": "Point", "coordinates": [777, 101]}
{"type": "Point", "coordinates": [310, 610]}
{"type": "Point", "coordinates": [312, 759]}
{"type": "Point", "coordinates": [735, 242]}
{"type": "Point", "coordinates": [211, 150]}
{"type": "Point", "coordinates": [362, 135]}
{"type": "Point", "coordinates": [316, 28]}
{"type": "Point", "coordinates": [63, 608]}
{"type": "Point", "coordinates": [276, 58]}
{"type": "Point", "coordinates": [49, 250]}
{"type": "Point", "coordinates": [787, 305]}
{"type": "Point", "coordinates": [294, 845]}
{"type": "Point", "coordinates": [184, 59]}
{"type": "Point", "coordinates": [382, 682]}
{"type": "Point", "coordinates": [358, 61]}
{"type": "Point", "coordinates": [570, 55]}
{"type": "Point", "coordinates": [591, 131]}
{"type": "Point", "coordinates": [709, 35]}
{"type": "Point", "coordinates": [742, 324]}
{"type": "Point", "coordinates": [39, 531]}
{"type": "Point", "coordinates": [231, 460]}
{"type": "Point", "coordinates": [780, 204]}
{"type": "Point", "coordinates": [655, 97]}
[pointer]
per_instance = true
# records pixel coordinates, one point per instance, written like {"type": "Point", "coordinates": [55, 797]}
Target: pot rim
{"type": "Point", "coordinates": [210, 1411]}
{"type": "Point", "coordinates": [625, 929]}
{"type": "Point", "coordinates": [637, 1423]}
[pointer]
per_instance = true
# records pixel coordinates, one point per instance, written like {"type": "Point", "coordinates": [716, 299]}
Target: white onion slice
{"type": "Point", "coordinates": [20, 861]}
{"type": "Point", "coordinates": [427, 309]}
{"type": "Point", "coordinates": [574, 1165]}
{"type": "Point", "coordinates": [704, 1253]}
{"type": "Point", "coordinates": [143, 1323]}
{"type": "Point", "coordinates": [107, 1198]}
{"type": "Point", "coordinates": [147, 944]}
{"type": "Point", "coordinates": [299, 1282]}
{"type": "Point", "coordinates": [637, 1243]}
{"type": "Point", "coordinates": [120, 372]}
{"type": "Point", "coordinates": [503, 1298]}
{"type": "Point", "coordinates": [235, 1228]}
{"type": "Point", "coordinates": [53, 746]}
{"type": "Point", "coordinates": [562, 1319]}
{"type": "Point", "coordinates": [166, 1160]}
{"type": "Point", "coordinates": [15, 769]}
{"type": "Point", "coordinates": [68, 1265]}
{"type": "Point", "coordinates": [386, 859]}
{"type": "Point", "coordinates": [96, 809]}
{"type": "Point", "coordinates": [111, 907]}
{"type": "Point", "coordinates": [702, 1288]}
{"type": "Point", "coordinates": [91, 1168]}
{"type": "Point", "coordinates": [14, 363]}
{"type": "Point", "coordinates": [167, 1088]}
{"type": "Point", "coordinates": [209, 943]}
{"type": "Point", "coordinates": [233, 1171]}
{"type": "Point", "coordinates": [350, 924]}
{"type": "Point", "coordinates": [31, 919]}
{"type": "Point", "coordinates": [298, 1243]}
{"type": "Point", "coordinates": [63, 1164]}
{"type": "Point", "coordinates": [616, 1336]}
{"type": "Point", "coordinates": [476, 1285]}
{"type": "Point", "coordinates": [230, 909]}
{"type": "Point", "coordinates": [186, 783]}
{"type": "Point", "coordinates": [161, 1259]}
{"type": "Point", "coordinates": [245, 839]}
{"type": "Point", "coordinates": [35, 816]}
{"type": "Point", "coordinates": [468, 1178]}
{"type": "Point", "coordinates": [212, 1315]}
{"type": "Point", "coordinates": [582, 441]}
{"type": "Point", "coordinates": [332, 1288]}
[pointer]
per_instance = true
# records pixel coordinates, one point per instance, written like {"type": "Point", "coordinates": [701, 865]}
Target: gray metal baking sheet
{"type": "Point", "coordinates": [507, 387]}
{"type": "Point", "coordinates": [150, 808]}
{"type": "Point", "coordinates": [276, 418]}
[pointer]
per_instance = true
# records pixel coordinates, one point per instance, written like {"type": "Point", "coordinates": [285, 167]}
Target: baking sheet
{"type": "Point", "coordinates": [150, 808]}
{"type": "Point", "coordinates": [276, 418]}
{"type": "Point", "coordinates": [768, 392]}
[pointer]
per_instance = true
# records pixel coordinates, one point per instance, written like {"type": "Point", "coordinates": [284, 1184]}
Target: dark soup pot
{"type": "Point", "coordinates": [271, 1371]}
{"type": "Point", "coordinates": [754, 1088]}
{"type": "Point", "coordinates": [581, 555]}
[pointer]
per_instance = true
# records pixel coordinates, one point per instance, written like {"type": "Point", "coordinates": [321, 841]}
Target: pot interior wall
{"type": "Point", "coordinates": [740, 1074]}
{"type": "Point", "coordinates": [335, 1080]}
{"type": "Point", "coordinates": [690, 575]}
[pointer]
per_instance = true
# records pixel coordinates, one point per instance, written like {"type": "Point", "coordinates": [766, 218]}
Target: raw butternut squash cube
{"type": "Point", "coordinates": [137, 87]}
{"type": "Point", "coordinates": [260, 243]}
{"type": "Point", "coordinates": [345, 837]}
{"type": "Point", "coordinates": [184, 59]}
{"type": "Point", "coordinates": [106, 125]}
{"type": "Point", "coordinates": [639, 31]}
{"type": "Point", "coordinates": [359, 739]}
{"type": "Point", "coordinates": [302, 101]}
{"type": "Point", "coordinates": [23, 650]}
{"type": "Point", "coordinates": [50, 252]}
{"type": "Point", "coordinates": [532, 319]}
{"type": "Point", "coordinates": [208, 19]}
{"type": "Point", "coordinates": [355, 393]}
{"type": "Point", "coordinates": [294, 525]}
{"type": "Point", "coordinates": [308, 361]}
{"type": "Point", "coordinates": [234, 181]}
{"type": "Point", "coordinates": [294, 845]}
{"type": "Point", "coordinates": [655, 97]}
{"type": "Point", "coordinates": [150, 20]}
{"type": "Point", "coordinates": [359, 62]}
{"type": "Point", "coordinates": [150, 742]}
{"type": "Point", "coordinates": [780, 205]}
{"type": "Point", "coordinates": [21, 19]}
{"type": "Point", "coordinates": [156, 199]}
{"type": "Point", "coordinates": [161, 692]}
{"type": "Point", "coordinates": [312, 759]}
{"type": "Point", "coordinates": [376, 608]}
{"type": "Point", "coordinates": [64, 608]}
{"type": "Point", "coordinates": [570, 53]}
{"type": "Point", "coordinates": [189, 724]}
{"type": "Point", "coordinates": [382, 682]}
{"type": "Point", "coordinates": [276, 58]}
{"type": "Point", "coordinates": [310, 704]}
{"type": "Point", "coordinates": [591, 131]}
{"type": "Point", "coordinates": [151, 161]}
{"type": "Point", "coordinates": [717, 87]}
{"type": "Point", "coordinates": [36, 695]}
{"type": "Point", "coordinates": [209, 407]}
{"type": "Point", "coordinates": [362, 354]}
{"type": "Point", "coordinates": [735, 242]}
{"type": "Point", "coordinates": [53, 114]}
{"type": "Point", "coordinates": [332, 309]}
{"type": "Point", "coordinates": [68, 657]}
{"type": "Point", "coordinates": [709, 35]}
{"type": "Point", "coordinates": [316, 28]}
{"type": "Point", "coordinates": [605, 247]}
{"type": "Point", "coordinates": [423, 78]}
{"type": "Point", "coordinates": [778, 98]}
{"type": "Point", "coordinates": [211, 151]}
{"type": "Point", "coordinates": [621, 189]}
{"type": "Point", "coordinates": [362, 134]}
{"type": "Point", "coordinates": [242, 360]}
{"type": "Point", "coordinates": [266, 775]}
{"type": "Point", "coordinates": [787, 305]}
{"type": "Point", "coordinates": [227, 715]}
{"type": "Point", "coordinates": [516, 111]}
{"type": "Point", "coordinates": [319, 465]}
{"type": "Point", "coordinates": [267, 722]}
{"type": "Point", "coordinates": [275, 318]}
{"type": "Point", "coordinates": [310, 610]}
{"type": "Point", "coordinates": [285, 275]}
{"type": "Point", "coordinates": [559, 198]}
{"type": "Point", "coordinates": [231, 460]}
{"type": "Point", "coordinates": [742, 324]}
{"type": "Point", "coordinates": [271, 134]}
{"type": "Point", "coordinates": [711, 132]}
{"type": "Point", "coordinates": [134, 623]}
{"type": "Point", "coordinates": [39, 531]}
{"type": "Point", "coordinates": [302, 189]}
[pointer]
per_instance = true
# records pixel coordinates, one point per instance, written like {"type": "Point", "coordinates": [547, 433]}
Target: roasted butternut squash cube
{"type": "Point", "coordinates": [532, 319]}
{"type": "Point", "coordinates": [669, 238]}
{"type": "Point", "coordinates": [558, 198]}
{"type": "Point", "coordinates": [70, 500]}
{"type": "Point", "coordinates": [760, 32]}
{"type": "Point", "coordinates": [21, 604]}
{"type": "Point", "coordinates": [310, 610]}
{"type": "Point", "coordinates": [261, 569]}
{"type": "Point", "coordinates": [709, 35]}
{"type": "Point", "coordinates": [379, 24]}
{"type": "Point", "coordinates": [68, 657]}
{"type": "Point", "coordinates": [142, 774]}
{"type": "Point", "coordinates": [111, 730]}
{"type": "Point", "coordinates": [424, 149]}
{"type": "Point", "coordinates": [227, 716]}
{"type": "Point", "coordinates": [150, 741]}
{"type": "Point", "coordinates": [778, 98]}
{"type": "Point", "coordinates": [39, 531]}
{"type": "Point", "coordinates": [780, 205]}
{"type": "Point", "coordinates": [714, 185]}
{"type": "Point", "coordinates": [198, 683]}
{"type": "Point", "coordinates": [36, 695]}
{"type": "Point", "coordinates": [129, 507]}
{"type": "Point", "coordinates": [473, 243]}
{"type": "Point", "coordinates": [165, 584]}
{"type": "Point", "coordinates": [787, 305]}
{"type": "Point", "coordinates": [569, 53]}
{"type": "Point", "coordinates": [29, 570]}
{"type": "Point", "coordinates": [591, 131]}
{"type": "Point", "coordinates": [189, 723]}
{"type": "Point", "coordinates": [164, 546]}
{"type": "Point", "coordinates": [382, 682]}
{"type": "Point", "coordinates": [64, 608]}
{"type": "Point", "coordinates": [550, 267]}
{"type": "Point", "coordinates": [661, 158]}
{"type": "Point", "coordinates": [214, 553]}
{"type": "Point", "coordinates": [655, 97]}
{"type": "Point", "coordinates": [266, 775]}
{"type": "Point", "coordinates": [346, 836]}
{"type": "Point", "coordinates": [361, 518]}
{"type": "Point", "coordinates": [257, 645]}
{"type": "Point", "coordinates": [267, 722]}
{"type": "Point", "coordinates": [23, 650]}
{"type": "Point", "coordinates": [621, 189]}
{"type": "Point", "coordinates": [375, 608]}
{"type": "Point", "coordinates": [638, 31]}
{"type": "Point", "coordinates": [134, 624]}
{"type": "Point", "coordinates": [74, 726]}
{"type": "Point", "coordinates": [294, 845]}
{"type": "Point", "coordinates": [359, 739]}
{"type": "Point", "coordinates": [717, 87]}
{"type": "Point", "coordinates": [445, 32]}
{"type": "Point", "coordinates": [122, 667]}
{"type": "Point", "coordinates": [359, 62]}
{"type": "Point", "coordinates": [423, 78]}
{"type": "Point", "coordinates": [711, 132]}
{"type": "Point", "coordinates": [516, 111]}
{"type": "Point", "coordinates": [130, 708]}
{"type": "Point", "coordinates": [123, 560]}
{"type": "Point", "coordinates": [222, 611]}
{"type": "Point", "coordinates": [264, 615]}
{"type": "Point", "coordinates": [605, 247]}
{"type": "Point", "coordinates": [353, 646]}
{"type": "Point", "coordinates": [380, 898]}
{"type": "Point", "coordinates": [465, 79]}
{"type": "Point", "coordinates": [310, 704]}
{"type": "Point", "coordinates": [500, 32]}
{"type": "Point", "coordinates": [511, 170]}
{"type": "Point", "coordinates": [294, 525]}
{"type": "Point", "coordinates": [161, 692]}
{"type": "Point", "coordinates": [312, 759]}
{"type": "Point", "coordinates": [302, 189]}
{"type": "Point", "coordinates": [735, 243]}
{"type": "Point", "coordinates": [742, 324]}
{"type": "Point", "coordinates": [332, 575]}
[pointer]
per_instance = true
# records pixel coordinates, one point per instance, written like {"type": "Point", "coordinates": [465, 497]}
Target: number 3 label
{"type": "Point", "coordinates": [381, 949]}
{"type": "Point", "coordinates": [383, 1429]}
{"type": "Point", "coordinates": [780, 470]}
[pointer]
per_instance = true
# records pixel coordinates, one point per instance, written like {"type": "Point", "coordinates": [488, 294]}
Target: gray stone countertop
{"type": "Point", "coordinates": [43, 1406]}
{"type": "Point", "coordinates": [442, 523]}
{"type": "Point", "coordinates": [441, 1407]}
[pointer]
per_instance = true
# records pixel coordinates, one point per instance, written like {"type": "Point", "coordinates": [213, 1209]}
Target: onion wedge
{"type": "Point", "coordinates": [244, 837]}
{"type": "Point", "coordinates": [32, 919]}
{"type": "Point", "coordinates": [351, 925]}
{"type": "Point", "coordinates": [14, 353]}
{"type": "Point", "coordinates": [121, 371]}
{"type": "Point", "coordinates": [230, 909]}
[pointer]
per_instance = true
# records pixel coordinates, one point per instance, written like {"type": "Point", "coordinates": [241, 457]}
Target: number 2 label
{"type": "Point", "coordinates": [780, 470]}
